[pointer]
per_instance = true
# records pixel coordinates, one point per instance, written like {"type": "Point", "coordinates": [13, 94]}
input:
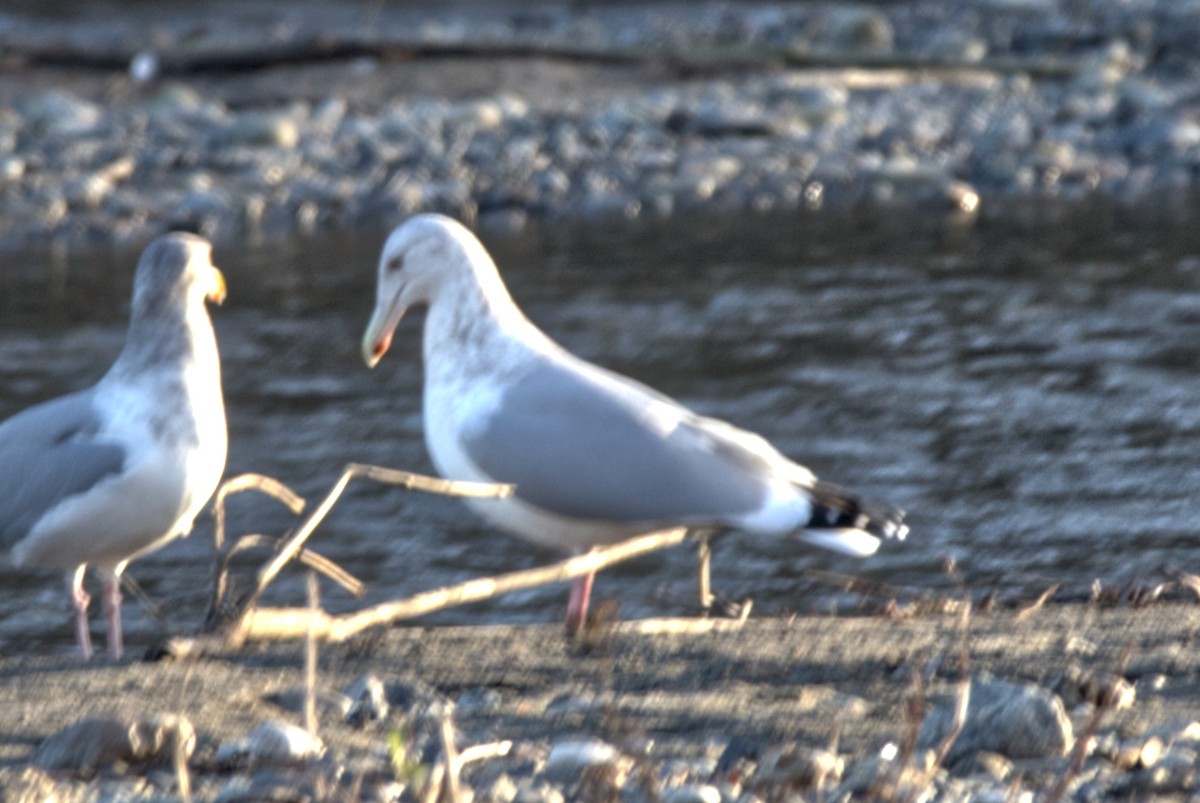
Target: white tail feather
{"type": "Point", "coordinates": [845, 540]}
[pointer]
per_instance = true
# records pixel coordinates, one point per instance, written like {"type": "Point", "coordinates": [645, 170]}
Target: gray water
{"type": "Point", "coordinates": [1026, 387]}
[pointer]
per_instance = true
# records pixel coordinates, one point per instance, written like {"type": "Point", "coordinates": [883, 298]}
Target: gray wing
{"type": "Point", "coordinates": [584, 447]}
{"type": "Point", "coordinates": [47, 454]}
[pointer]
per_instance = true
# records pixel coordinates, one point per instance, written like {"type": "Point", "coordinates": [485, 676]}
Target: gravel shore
{"type": "Point", "coordinates": [1100, 700]}
{"type": "Point", "coordinates": [268, 119]}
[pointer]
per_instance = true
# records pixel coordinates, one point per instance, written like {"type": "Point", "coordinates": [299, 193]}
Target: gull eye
{"type": "Point", "coordinates": [395, 263]}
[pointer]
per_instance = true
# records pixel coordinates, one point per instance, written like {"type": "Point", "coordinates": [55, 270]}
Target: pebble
{"type": "Point", "coordinates": [568, 760]}
{"type": "Point", "coordinates": [273, 742]}
{"type": "Point", "coordinates": [98, 742]}
{"type": "Point", "coordinates": [369, 703]}
{"type": "Point", "coordinates": [692, 793]}
{"type": "Point", "coordinates": [1017, 720]}
{"type": "Point", "coordinates": [797, 768]}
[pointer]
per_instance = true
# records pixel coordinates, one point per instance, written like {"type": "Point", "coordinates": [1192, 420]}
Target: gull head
{"type": "Point", "coordinates": [176, 271]}
{"type": "Point", "coordinates": [420, 257]}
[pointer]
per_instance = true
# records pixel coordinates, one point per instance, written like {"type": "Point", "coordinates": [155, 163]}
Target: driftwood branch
{"type": "Point", "coordinates": [293, 623]}
{"type": "Point", "coordinates": [249, 622]}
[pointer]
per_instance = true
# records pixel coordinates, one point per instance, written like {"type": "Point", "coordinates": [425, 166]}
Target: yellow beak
{"type": "Point", "coordinates": [217, 293]}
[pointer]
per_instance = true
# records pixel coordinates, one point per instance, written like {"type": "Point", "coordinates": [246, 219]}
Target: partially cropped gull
{"type": "Point", "coordinates": [104, 475]}
{"type": "Point", "coordinates": [596, 457]}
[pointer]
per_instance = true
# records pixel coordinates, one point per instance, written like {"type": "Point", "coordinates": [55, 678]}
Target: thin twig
{"type": "Point", "coordinates": [243, 482]}
{"type": "Point", "coordinates": [389, 476]}
{"type": "Point", "coordinates": [307, 557]}
{"type": "Point", "coordinates": [252, 482]}
{"type": "Point", "coordinates": [310, 658]}
{"type": "Point", "coordinates": [452, 791]}
{"type": "Point", "coordinates": [1037, 604]}
{"type": "Point", "coordinates": [963, 697]}
{"type": "Point", "coordinates": [482, 752]}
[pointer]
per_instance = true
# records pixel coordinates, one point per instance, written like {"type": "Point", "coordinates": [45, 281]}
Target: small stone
{"type": "Point", "coordinates": [860, 29]}
{"type": "Point", "coordinates": [98, 742]}
{"type": "Point", "coordinates": [1014, 719]}
{"type": "Point", "coordinates": [88, 192]}
{"type": "Point", "coordinates": [692, 793]}
{"type": "Point", "coordinates": [1138, 753]}
{"type": "Point", "coordinates": [265, 128]}
{"type": "Point", "coordinates": [273, 742]}
{"type": "Point", "coordinates": [61, 113]}
{"type": "Point", "coordinates": [478, 701]}
{"type": "Point", "coordinates": [797, 768]}
{"type": "Point", "coordinates": [569, 760]}
{"type": "Point", "coordinates": [536, 791]}
{"type": "Point", "coordinates": [144, 67]}
{"type": "Point", "coordinates": [985, 763]}
{"type": "Point", "coordinates": [12, 168]}
{"type": "Point", "coordinates": [502, 790]}
{"type": "Point", "coordinates": [1176, 772]}
{"type": "Point", "coordinates": [368, 701]}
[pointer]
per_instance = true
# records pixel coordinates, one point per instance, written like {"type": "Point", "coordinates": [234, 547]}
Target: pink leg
{"type": "Point", "coordinates": [577, 605]}
{"type": "Point", "coordinates": [79, 601]}
{"type": "Point", "coordinates": [112, 613]}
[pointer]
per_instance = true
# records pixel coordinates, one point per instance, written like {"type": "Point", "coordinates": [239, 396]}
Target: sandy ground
{"type": "Point", "coordinates": [774, 681]}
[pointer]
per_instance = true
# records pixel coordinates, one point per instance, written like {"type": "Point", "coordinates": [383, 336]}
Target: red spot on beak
{"type": "Point", "coordinates": [381, 346]}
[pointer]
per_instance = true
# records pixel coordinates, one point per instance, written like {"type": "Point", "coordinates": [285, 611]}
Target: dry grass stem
{"type": "Point", "coordinates": [1037, 604]}
{"type": "Point", "coordinates": [1105, 702]}
{"type": "Point", "coordinates": [963, 696]}
{"type": "Point", "coordinates": [310, 658]}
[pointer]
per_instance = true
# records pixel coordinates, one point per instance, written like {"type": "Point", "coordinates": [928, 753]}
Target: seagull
{"type": "Point", "coordinates": [104, 475]}
{"type": "Point", "coordinates": [595, 457]}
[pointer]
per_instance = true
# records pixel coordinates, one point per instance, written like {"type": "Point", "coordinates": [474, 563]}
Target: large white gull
{"type": "Point", "coordinates": [596, 457]}
{"type": "Point", "coordinates": [104, 475]}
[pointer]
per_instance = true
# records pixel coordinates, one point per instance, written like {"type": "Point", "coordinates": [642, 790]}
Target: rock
{"type": "Point", "coordinates": [1017, 720]}
{"type": "Point", "coordinates": [98, 742]}
{"type": "Point", "coordinates": [796, 768]}
{"type": "Point", "coordinates": [691, 793]}
{"type": "Point", "coordinates": [12, 168]}
{"type": "Point", "coordinates": [885, 779]}
{"type": "Point", "coordinates": [273, 742]}
{"type": "Point", "coordinates": [61, 113]}
{"type": "Point", "coordinates": [1178, 771]}
{"type": "Point", "coordinates": [569, 760]}
{"type": "Point", "coordinates": [274, 129]}
{"type": "Point", "coordinates": [478, 701]}
{"type": "Point", "coordinates": [368, 701]}
{"type": "Point", "coordinates": [536, 791]}
{"type": "Point", "coordinates": [856, 28]}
